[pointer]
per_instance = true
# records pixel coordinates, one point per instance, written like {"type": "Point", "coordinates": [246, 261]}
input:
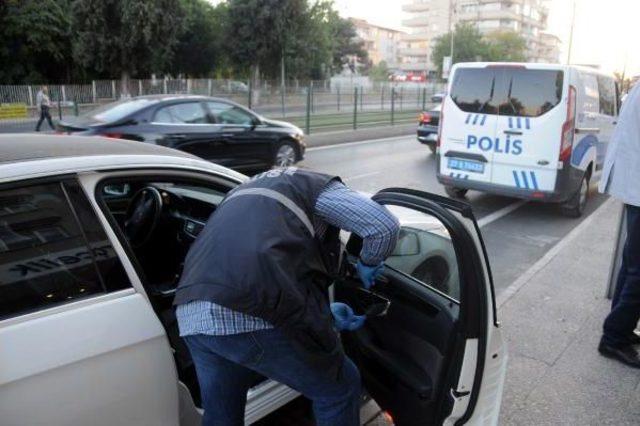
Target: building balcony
{"type": "Point", "coordinates": [416, 7]}
{"type": "Point", "coordinates": [415, 36]}
{"type": "Point", "coordinates": [416, 22]}
{"type": "Point", "coordinates": [413, 51]}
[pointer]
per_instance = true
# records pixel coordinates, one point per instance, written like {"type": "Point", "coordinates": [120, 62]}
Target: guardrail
{"type": "Point", "coordinates": [313, 105]}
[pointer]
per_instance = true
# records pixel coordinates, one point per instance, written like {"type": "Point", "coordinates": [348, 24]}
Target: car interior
{"type": "Point", "coordinates": [405, 349]}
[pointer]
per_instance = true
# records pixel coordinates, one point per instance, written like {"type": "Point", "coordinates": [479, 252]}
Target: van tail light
{"type": "Point", "coordinates": [441, 120]}
{"type": "Point", "coordinates": [569, 126]}
{"type": "Point", "coordinates": [424, 118]}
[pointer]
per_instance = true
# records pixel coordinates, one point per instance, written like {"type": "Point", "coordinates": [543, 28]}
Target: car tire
{"type": "Point", "coordinates": [285, 155]}
{"type": "Point", "coordinates": [433, 148]}
{"type": "Point", "coordinates": [575, 206]}
{"type": "Point", "coordinates": [454, 192]}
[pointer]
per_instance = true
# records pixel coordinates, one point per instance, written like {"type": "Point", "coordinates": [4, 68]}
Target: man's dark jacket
{"type": "Point", "coordinates": [258, 254]}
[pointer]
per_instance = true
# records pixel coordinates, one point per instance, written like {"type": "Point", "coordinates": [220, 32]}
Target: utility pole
{"type": "Point", "coordinates": [451, 6]}
{"type": "Point", "coordinates": [573, 20]}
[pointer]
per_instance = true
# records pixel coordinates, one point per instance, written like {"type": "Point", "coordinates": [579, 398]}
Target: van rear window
{"type": "Point", "coordinates": [507, 91]}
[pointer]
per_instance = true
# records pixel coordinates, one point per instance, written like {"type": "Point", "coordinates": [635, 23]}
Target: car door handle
{"type": "Point", "coordinates": [512, 132]}
{"type": "Point", "coordinates": [227, 135]}
{"type": "Point", "coordinates": [178, 136]}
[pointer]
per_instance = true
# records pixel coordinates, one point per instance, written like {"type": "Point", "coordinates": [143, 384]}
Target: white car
{"type": "Point", "coordinates": [93, 233]}
{"type": "Point", "coordinates": [533, 131]}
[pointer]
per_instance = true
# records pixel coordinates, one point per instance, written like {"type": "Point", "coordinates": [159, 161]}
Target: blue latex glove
{"type": "Point", "coordinates": [368, 274]}
{"type": "Point", "coordinates": [344, 318]}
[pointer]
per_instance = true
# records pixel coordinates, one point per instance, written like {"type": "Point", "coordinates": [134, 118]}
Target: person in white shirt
{"type": "Point", "coordinates": [44, 105]}
{"type": "Point", "coordinates": [621, 179]}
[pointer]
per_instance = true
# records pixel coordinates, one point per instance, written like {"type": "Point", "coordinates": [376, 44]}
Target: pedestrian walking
{"type": "Point", "coordinates": [621, 178]}
{"type": "Point", "coordinates": [44, 105]}
{"type": "Point", "coordinates": [253, 297]}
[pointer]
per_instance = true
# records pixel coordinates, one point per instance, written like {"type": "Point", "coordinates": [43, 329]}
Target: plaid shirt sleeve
{"type": "Point", "coordinates": [353, 212]}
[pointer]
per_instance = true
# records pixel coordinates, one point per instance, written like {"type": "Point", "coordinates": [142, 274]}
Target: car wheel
{"type": "Point", "coordinates": [578, 201]}
{"type": "Point", "coordinates": [285, 155]}
{"type": "Point", "coordinates": [454, 192]}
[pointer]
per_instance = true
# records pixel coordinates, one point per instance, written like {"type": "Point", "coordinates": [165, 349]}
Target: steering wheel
{"type": "Point", "coordinates": [142, 215]}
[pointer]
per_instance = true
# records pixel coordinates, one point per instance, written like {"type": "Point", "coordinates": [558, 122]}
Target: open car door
{"type": "Point", "coordinates": [431, 350]}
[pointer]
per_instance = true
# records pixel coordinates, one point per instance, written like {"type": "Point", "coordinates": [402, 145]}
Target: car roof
{"type": "Point", "coordinates": [533, 66]}
{"type": "Point", "coordinates": [33, 154]}
{"type": "Point", "coordinates": [24, 147]}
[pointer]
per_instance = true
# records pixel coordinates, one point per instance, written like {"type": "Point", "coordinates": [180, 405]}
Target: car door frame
{"type": "Point", "coordinates": [261, 400]}
{"type": "Point", "coordinates": [480, 336]}
{"type": "Point", "coordinates": [127, 300]}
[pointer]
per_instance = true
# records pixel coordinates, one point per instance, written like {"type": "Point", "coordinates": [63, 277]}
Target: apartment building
{"type": "Point", "coordinates": [429, 19]}
{"type": "Point", "coordinates": [382, 44]}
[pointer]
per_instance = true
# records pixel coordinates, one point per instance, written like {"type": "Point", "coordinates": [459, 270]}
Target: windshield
{"type": "Point", "coordinates": [118, 110]}
{"type": "Point", "coordinates": [507, 91]}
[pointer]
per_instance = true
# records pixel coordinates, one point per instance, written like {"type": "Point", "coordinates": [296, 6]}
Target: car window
{"type": "Point", "coordinates": [184, 113]}
{"type": "Point", "coordinates": [530, 93]}
{"type": "Point", "coordinates": [425, 251]}
{"type": "Point", "coordinates": [473, 90]}
{"type": "Point", "coordinates": [607, 94]}
{"type": "Point", "coordinates": [224, 113]}
{"type": "Point", "coordinates": [47, 257]}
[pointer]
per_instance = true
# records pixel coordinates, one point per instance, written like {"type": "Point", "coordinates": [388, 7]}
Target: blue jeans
{"type": "Point", "coordinates": [625, 306]}
{"type": "Point", "coordinates": [226, 367]}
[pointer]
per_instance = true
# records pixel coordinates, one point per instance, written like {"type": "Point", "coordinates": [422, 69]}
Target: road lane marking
{"type": "Point", "coordinates": [360, 176]}
{"type": "Point", "coordinates": [506, 294]}
{"type": "Point", "coordinates": [348, 144]}
{"type": "Point", "coordinates": [500, 213]}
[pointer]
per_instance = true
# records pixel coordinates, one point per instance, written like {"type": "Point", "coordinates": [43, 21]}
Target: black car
{"type": "Point", "coordinates": [215, 129]}
{"type": "Point", "coordinates": [428, 127]}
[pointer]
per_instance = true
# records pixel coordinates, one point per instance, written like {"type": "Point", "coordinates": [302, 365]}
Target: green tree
{"type": "Point", "coordinates": [468, 46]}
{"type": "Point", "coordinates": [379, 72]}
{"type": "Point", "coordinates": [506, 46]}
{"type": "Point", "coordinates": [125, 37]}
{"type": "Point", "coordinates": [199, 48]}
{"type": "Point", "coordinates": [35, 41]}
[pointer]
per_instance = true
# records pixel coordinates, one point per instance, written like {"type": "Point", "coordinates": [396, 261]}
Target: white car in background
{"type": "Point", "coordinates": [93, 233]}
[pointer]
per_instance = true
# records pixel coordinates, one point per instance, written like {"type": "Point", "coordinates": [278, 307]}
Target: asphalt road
{"type": "Point", "coordinates": [516, 234]}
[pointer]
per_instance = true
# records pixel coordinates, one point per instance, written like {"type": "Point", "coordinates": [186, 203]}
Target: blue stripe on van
{"type": "Point", "coordinates": [484, 118]}
{"type": "Point", "coordinates": [527, 122]}
{"type": "Point", "coordinates": [534, 181]}
{"type": "Point", "coordinates": [525, 181]}
{"type": "Point", "coordinates": [515, 177]}
{"type": "Point", "coordinates": [475, 118]}
{"type": "Point", "coordinates": [519, 123]}
{"type": "Point", "coordinates": [468, 118]}
{"type": "Point", "coordinates": [510, 123]}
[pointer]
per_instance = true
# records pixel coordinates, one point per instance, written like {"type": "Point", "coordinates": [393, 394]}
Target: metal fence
{"type": "Point", "coordinates": [312, 105]}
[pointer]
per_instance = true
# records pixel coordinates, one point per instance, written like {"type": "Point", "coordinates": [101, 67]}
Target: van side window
{"type": "Point", "coordinates": [591, 93]}
{"type": "Point", "coordinates": [47, 257]}
{"type": "Point", "coordinates": [607, 91]}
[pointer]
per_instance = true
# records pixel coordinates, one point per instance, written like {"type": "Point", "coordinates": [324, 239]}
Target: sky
{"type": "Point", "coordinates": [604, 34]}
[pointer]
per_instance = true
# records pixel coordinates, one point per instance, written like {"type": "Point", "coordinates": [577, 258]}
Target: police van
{"type": "Point", "coordinates": [532, 131]}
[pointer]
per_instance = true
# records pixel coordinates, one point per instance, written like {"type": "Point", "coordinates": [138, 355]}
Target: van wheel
{"type": "Point", "coordinates": [577, 203]}
{"type": "Point", "coordinates": [454, 192]}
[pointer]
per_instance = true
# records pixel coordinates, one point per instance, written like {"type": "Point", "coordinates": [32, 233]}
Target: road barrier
{"type": "Point", "coordinates": [315, 106]}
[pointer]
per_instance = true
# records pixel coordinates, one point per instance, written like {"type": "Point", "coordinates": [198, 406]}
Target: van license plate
{"type": "Point", "coordinates": [466, 165]}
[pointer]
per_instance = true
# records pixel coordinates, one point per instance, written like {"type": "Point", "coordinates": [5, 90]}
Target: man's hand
{"type": "Point", "coordinates": [344, 318]}
{"type": "Point", "coordinates": [368, 274]}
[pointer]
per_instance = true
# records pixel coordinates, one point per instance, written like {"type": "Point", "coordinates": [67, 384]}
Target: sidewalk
{"type": "Point", "coordinates": [552, 319]}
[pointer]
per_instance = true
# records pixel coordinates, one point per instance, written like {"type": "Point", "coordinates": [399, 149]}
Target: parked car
{"type": "Point", "coordinates": [438, 97]}
{"type": "Point", "coordinates": [215, 129]}
{"type": "Point", "coordinates": [93, 235]}
{"type": "Point", "coordinates": [533, 131]}
{"type": "Point", "coordinates": [428, 127]}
